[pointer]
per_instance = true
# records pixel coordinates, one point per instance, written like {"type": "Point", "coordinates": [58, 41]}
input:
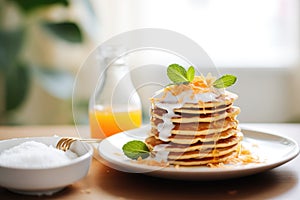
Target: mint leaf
{"type": "Point", "coordinates": [135, 149]}
{"type": "Point", "coordinates": [190, 73]}
{"type": "Point", "coordinates": [177, 73]}
{"type": "Point", "coordinates": [225, 81]}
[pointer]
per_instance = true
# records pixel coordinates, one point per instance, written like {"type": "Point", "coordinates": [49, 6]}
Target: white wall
{"type": "Point", "coordinates": [264, 94]}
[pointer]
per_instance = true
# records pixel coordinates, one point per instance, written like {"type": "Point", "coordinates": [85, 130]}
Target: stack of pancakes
{"type": "Point", "coordinates": [201, 133]}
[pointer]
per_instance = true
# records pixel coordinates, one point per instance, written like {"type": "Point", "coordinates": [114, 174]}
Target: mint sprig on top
{"type": "Point", "coordinates": [225, 81]}
{"type": "Point", "coordinates": [179, 75]}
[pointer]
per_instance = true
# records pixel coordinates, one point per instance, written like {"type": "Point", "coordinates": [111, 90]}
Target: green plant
{"type": "Point", "coordinates": [15, 71]}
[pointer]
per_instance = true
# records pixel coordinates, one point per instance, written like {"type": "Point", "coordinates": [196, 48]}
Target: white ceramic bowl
{"type": "Point", "coordinates": [45, 181]}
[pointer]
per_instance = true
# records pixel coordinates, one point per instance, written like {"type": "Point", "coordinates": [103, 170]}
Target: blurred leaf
{"type": "Point", "coordinates": [10, 45]}
{"type": "Point", "coordinates": [17, 81]}
{"type": "Point", "coordinates": [28, 5]}
{"type": "Point", "coordinates": [58, 83]}
{"type": "Point", "coordinates": [68, 31]}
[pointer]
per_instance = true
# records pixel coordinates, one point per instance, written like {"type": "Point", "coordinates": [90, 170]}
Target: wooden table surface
{"type": "Point", "coordinates": [105, 183]}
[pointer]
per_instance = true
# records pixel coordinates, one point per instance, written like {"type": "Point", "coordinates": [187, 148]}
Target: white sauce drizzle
{"type": "Point", "coordinates": [166, 127]}
{"type": "Point", "coordinates": [169, 103]}
{"type": "Point", "coordinates": [161, 152]}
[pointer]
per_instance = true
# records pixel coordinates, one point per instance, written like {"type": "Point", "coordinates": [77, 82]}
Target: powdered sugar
{"type": "Point", "coordinates": [33, 154]}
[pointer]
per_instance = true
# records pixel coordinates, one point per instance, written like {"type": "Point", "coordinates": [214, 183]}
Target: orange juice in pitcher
{"type": "Point", "coordinates": [107, 121]}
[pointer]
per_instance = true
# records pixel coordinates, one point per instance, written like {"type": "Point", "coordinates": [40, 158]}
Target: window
{"type": "Point", "coordinates": [247, 33]}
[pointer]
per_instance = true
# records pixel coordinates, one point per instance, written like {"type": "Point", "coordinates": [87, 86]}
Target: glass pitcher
{"type": "Point", "coordinates": [115, 105]}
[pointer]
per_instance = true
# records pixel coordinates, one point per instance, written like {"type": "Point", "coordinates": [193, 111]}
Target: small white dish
{"type": "Point", "coordinates": [45, 181]}
{"type": "Point", "coordinates": [275, 149]}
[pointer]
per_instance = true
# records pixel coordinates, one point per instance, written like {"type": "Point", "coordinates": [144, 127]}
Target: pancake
{"type": "Point", "coordinates": [176, 147]}
{"type": "Point", "coordinates": [190, 139]}
{"type": "Point", "coordinates": [201, 110]}
{"type": "Point", "coordinates": [189, 118]}
{"type": "Point", "coordinates": [203, 153]}
{"type": "Point", "coordinates": [221, 100]}
{"type": "Point", "coordinates": [195, 129]}
{"type": "Point", "coordinates": [202, 161]}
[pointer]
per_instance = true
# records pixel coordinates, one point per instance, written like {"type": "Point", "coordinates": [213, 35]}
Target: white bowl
{"type": "Point", "coordinates": [45, 181]}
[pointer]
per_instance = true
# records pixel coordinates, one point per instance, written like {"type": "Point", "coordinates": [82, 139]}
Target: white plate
{"type": "Point", "coordinates": [276, 150]}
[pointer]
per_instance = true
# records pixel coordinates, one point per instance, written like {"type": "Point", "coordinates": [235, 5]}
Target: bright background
{"type": "Point", "coordinates": [257, 40]}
